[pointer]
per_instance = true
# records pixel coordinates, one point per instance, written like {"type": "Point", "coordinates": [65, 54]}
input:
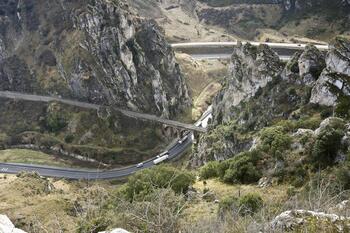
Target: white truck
{"type": "Point", "coordinates": [163, 153]}
{"type": "Point", "coordinates": [161, 159]}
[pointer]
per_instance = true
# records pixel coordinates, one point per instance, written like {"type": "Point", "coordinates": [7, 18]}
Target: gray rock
{"type": "Point", "coordinates": [311, 63]}
{"type": "Point", "coordinates": [6, 226]}
{"type": "Point", "coordinates": [116, 230]}
{"type": "Point", "coordinates": [291, 219]}
{"type": "Point", "coordinates": [250, 69]}
{"type": "Point", "coordinates": [329, 122]}
{"type": "Point", "coordinates": [264, 182]}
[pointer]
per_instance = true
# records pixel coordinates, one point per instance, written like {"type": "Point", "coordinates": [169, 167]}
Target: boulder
{"type": "Point", "coordinates": [264, 182]}
{"type": "Point", "coordinates": [292, 219]}
{"type": "Point", "coordinates": [330, 122]}
{"type": "Point", "coordinates": [116, 230]}
{"type": "Point", "coordinates": [6, 226]}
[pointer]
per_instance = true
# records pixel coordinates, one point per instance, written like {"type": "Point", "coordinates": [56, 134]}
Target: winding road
{"type": "Point", "coordinates": [174, 151]}
{"type": "Point", "coordinates": [210, 50]}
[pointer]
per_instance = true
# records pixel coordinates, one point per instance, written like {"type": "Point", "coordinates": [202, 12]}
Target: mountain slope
{"type": "Point", "coordinates": [94, 51]}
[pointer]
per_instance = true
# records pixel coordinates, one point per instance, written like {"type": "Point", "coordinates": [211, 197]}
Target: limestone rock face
{"type": "Point", "coordinates": [334, 81]}
{"type": "Point", "coordinates": [311, 63]}
{"type": "Point", "coordinates": [257, 91]}
{"type": "Point", "coordinates": [251, 68]}
{"type": "Point", "coordinates": [94, 50]}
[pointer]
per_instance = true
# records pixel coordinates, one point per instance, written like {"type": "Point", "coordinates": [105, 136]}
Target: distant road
{"type": "Point", "coordinates": [223, 50]}
{"type": "Point", "coordinates": [142, 116]}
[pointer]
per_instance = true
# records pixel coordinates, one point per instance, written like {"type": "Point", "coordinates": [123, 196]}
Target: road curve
{"type": "Point", "coordinates": [175, 151]}
{"type": "Point", "coordinates": [223, 50]}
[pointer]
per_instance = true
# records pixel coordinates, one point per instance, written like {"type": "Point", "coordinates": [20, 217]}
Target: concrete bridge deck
{"type": "Point", "coordinates": [137, 115]}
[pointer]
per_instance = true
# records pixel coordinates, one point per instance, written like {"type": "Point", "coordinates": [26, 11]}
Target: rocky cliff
{"type": "Point", "coordinates": [95, 51]}
{"type": "Point", "coordinates": [258, 92]}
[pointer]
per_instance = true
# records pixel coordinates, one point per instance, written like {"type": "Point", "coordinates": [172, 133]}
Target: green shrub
{"type": "Point", "coordinates": [93, 224]}
{"type": "Point", "coordinates": [291, 191]}
{"type": "Point", "coordinates": [327, 112]}
{"type": "Point", "coordinates": [342, 176]}
{"type": "Point", "coordinates": [309, 123]}
{"type": "Point", "coordinates": [146, 181]}
{"type": "Point", "coordinates": [242, 169]}
{"type": "Point", "coordinates": [210, 170]}
{"type": "Point", "coordinates": [343, 107]}
{"type": "Point", "coordinates": [243, 172]}
{"type": "Point", "coordinates": [250, 204]}
{"type": "Point", "coordinates": [326, 147]}
{"type": "Point", "coordinates": [275, 140]}
{"type": "Point", "coordinates": [55, 121]}
{"type": "Point", "coordinates": [69, 138]}
{"type": "Point", "coordinates": [228, 204]}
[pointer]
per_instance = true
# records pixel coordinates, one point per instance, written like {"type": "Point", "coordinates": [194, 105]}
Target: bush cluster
{"type": "Point", "coordinates": [146, 181]}
{"type": "Point", "coordinates": [247, 205]}
{"type": "Point", "coordinates": [327, 144]}
{"type": "Point", "coordinates": [55, 121]}
{"type": "Point", "coordinates": [240, 169]}
{"type": "Point", "coordinates": [275, 140]}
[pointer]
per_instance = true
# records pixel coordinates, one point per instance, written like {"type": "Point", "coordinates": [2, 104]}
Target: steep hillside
{"type": "Point", "coordinates": [179, 20]}
{"type": "Point", "coordinates": [315, 19]}
{"type": "Point", "coordinates": [260, 91]}
{"type": "Point", "coordinates": [95, 51]}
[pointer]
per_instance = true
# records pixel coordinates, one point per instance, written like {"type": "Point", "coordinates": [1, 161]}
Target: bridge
{"type": "Point", "coordinates": [137, 115]}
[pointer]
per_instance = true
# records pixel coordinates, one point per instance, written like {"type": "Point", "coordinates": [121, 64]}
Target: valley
{"type": "Point", "coordinates": [171, 116]}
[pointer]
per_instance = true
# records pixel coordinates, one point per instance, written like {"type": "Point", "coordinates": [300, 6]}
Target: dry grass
{"type": "Point", "coordinates": [33, 207]}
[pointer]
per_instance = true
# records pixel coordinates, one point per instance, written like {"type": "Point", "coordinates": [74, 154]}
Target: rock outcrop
{"type": "Point", "coordinates": [334, 81]}
{"type": "Point", "coordinates": [250, 69]}
{"type": "Point", "coordinates": [94, 50]}
{"type": "Point", "coordinates": [292, 220]}
{"type": "Point", "coordinates": [258, 91]}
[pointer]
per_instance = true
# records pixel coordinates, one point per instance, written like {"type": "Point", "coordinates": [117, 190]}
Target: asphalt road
{"type": "Point", "coordinates": [175, 151]}
{"type": "Point", "coordinates": [223, 50]}
{"type": "Point", "coordinates": [68, 173]}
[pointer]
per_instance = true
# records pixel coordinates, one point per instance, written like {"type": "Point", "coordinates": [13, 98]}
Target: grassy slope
{"type": "Point", "coordinates": [32, 157]}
